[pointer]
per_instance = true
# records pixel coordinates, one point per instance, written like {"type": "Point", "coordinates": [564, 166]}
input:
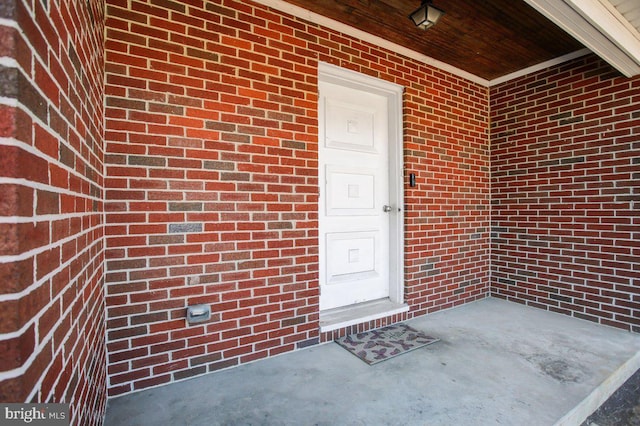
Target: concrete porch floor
{"type": "Point", "coordinates": [496, 363]}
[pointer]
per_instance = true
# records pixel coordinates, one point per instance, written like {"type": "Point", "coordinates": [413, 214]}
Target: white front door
{"type": "Point", "coordinates": [355, 207]}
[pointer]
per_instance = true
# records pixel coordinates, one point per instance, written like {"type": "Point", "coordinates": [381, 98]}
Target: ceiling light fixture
{"type": "Point", "coordinates": [427, 15]}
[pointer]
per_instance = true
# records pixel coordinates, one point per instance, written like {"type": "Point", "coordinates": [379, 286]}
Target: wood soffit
{"type": "Point", "coordinates": [488, 39]}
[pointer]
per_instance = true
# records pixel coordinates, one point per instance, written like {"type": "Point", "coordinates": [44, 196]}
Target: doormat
{"type": "Point", "coordinates": [384, 343]}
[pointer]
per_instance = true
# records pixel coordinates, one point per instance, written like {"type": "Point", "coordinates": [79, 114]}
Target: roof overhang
{"type": "Point", "coordinates": [600, 27]}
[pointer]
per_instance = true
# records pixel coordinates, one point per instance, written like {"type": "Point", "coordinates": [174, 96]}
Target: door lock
{"type": "Point", "coordinates": [386, 209]}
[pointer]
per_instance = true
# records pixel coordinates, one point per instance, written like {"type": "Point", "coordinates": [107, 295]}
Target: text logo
{"type": "Point", "coordinates": [34, 414]}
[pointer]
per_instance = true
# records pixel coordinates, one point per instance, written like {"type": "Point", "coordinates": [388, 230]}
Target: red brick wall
{"type": "Point", "coordinates": [565, 160]}
{"type": "Point", "coordinates": [447, 220]}
{"type": "Point", "coordinates": [211, 130]}
{"type": "Point", "coordinates": [52, 323]}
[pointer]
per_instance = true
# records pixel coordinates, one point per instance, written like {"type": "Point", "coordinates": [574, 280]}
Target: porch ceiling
{"type": "Point", "coordinates": [494, 40]}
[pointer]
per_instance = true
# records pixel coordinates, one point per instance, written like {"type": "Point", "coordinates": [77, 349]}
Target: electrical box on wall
{"type": "Point", "coordinates": [198, 313]}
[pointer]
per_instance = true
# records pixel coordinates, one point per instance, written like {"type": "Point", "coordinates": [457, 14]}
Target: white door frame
{"type": "Point", "coordinates": [393, 92]}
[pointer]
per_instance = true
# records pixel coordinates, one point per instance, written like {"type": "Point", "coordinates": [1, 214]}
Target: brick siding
{"type": "Point", "coordinates": [527, 191]}
{"type": "Point", "coordinates": [211, 188]}
{"type": "Point", "coordinates": [52, 320]}
{"type": "Point", "coordinates": [565, 173]}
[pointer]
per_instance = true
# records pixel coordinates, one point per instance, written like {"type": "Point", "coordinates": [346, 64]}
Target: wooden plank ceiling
{"type": "Point", "coordinates": [487, 38]}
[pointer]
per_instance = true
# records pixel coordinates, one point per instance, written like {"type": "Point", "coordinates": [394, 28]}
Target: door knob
{"type": "Point", "coordinates": [386, 208]}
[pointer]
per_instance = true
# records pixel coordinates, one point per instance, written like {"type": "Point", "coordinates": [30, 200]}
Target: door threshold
{"type": "Point", "coordinates": [345, 316]}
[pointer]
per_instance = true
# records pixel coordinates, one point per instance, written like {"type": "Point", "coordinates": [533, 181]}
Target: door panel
{"type": "Point", "coordinates": [354, 178]}
{"type": "Point", "coordinates": [352, 256]}
{"type": "Point", "coordinates": [350, 191]}
{"type": "Point", "coordinates": [349, 126]}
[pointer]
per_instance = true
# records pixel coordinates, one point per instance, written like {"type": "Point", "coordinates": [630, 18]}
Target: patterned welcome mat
{"type": "Point", "coordinates": [384, 343]}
